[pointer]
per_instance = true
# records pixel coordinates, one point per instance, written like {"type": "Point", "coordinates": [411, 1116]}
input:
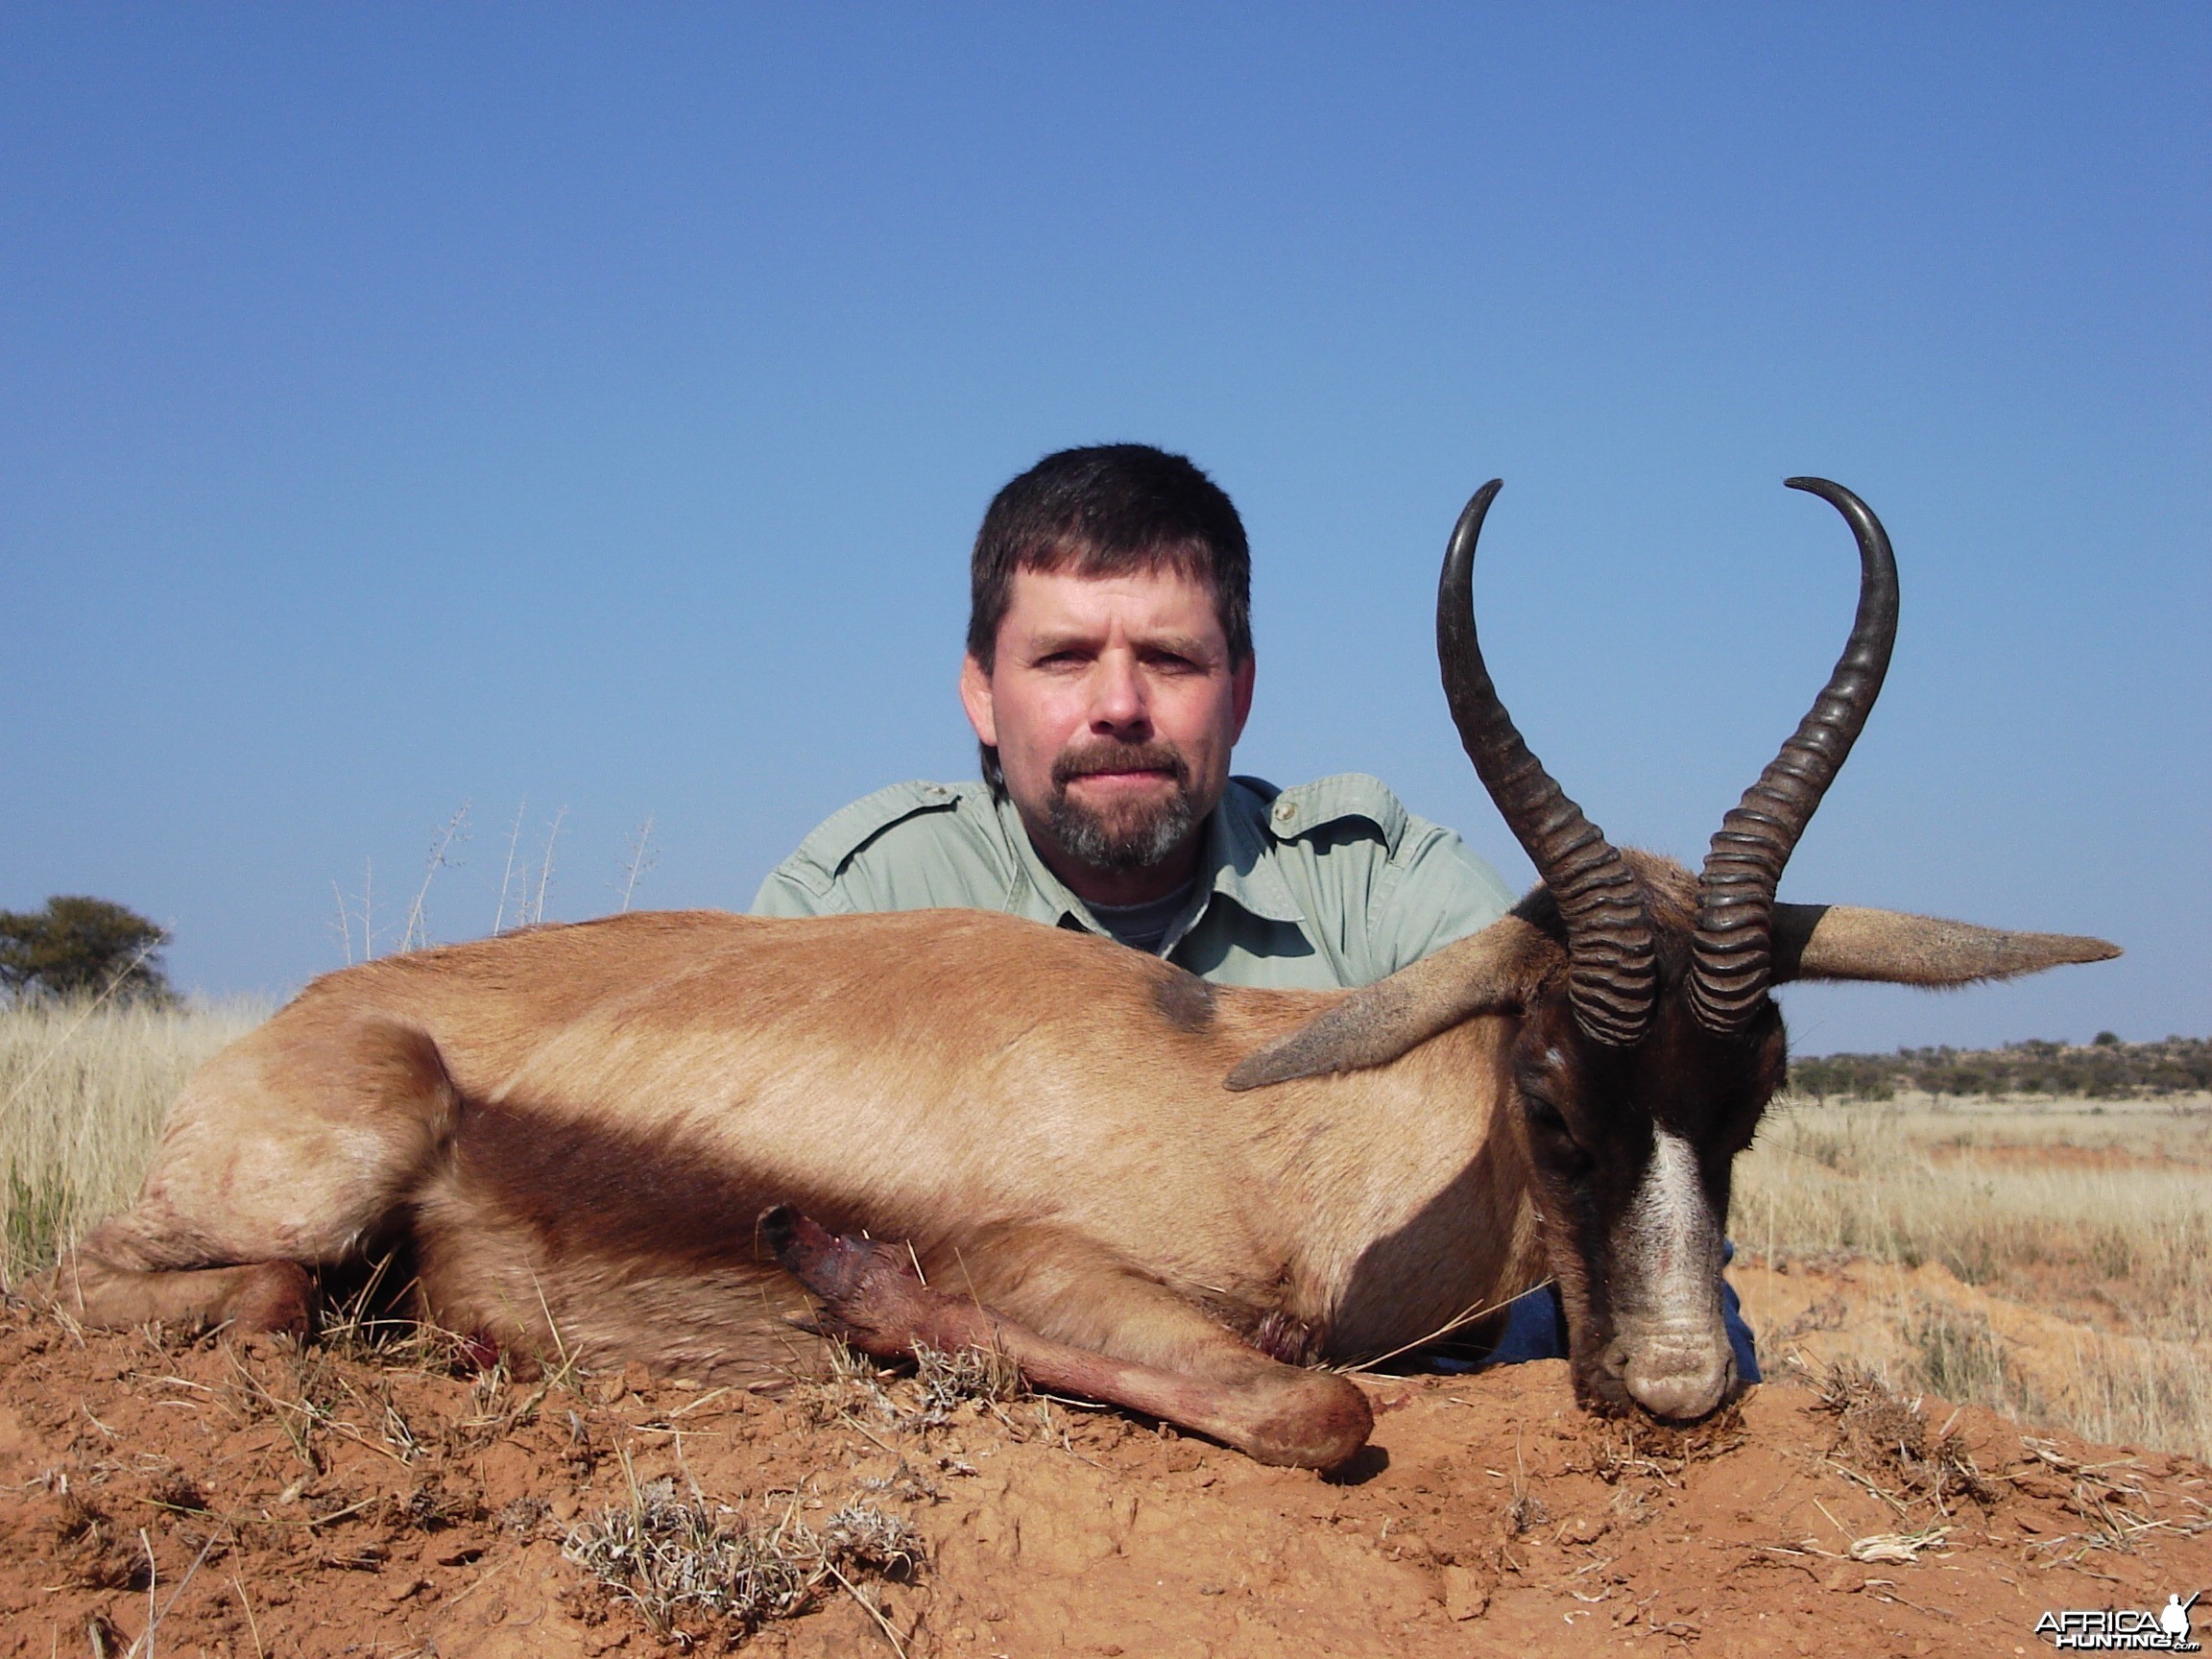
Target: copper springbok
{"type": "Point", "coordinates": [606, 1140]}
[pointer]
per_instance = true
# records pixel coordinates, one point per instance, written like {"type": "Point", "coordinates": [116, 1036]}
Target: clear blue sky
{"type": "Point", "coordinates": [408, 406]}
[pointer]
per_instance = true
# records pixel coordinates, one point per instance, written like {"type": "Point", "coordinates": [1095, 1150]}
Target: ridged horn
{"type": "Point", "coordinates": [1612, 975]}
{"type": "Point", "coordinates": [1732, 955]}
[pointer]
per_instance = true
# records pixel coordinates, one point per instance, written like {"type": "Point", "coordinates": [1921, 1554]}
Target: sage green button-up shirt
{"type": "Point", "coordinates": [1331, 883]}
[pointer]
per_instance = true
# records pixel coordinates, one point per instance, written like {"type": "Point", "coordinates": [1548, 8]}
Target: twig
{"type": "Point", "coordinates": [1833, 1521]}
{"type": "Point", "coordinates": [687, 1410]}
{"type": "Point", "coordinates": [567, 1365]}
{"type": "Point", "coordinates": [873, 1612]}
{"type": "Point", "coordinates": [153, 1614]}
{"type": "Point", "coordinates": [1466, 1316]}
{"type": "Point", "coordinates": [415, 923]}
{"type": "Point", "coordinates": [1854, 1475]}
{"type": "Point", "coordinates": [641, 860]}
{"type": "Point", "coordinates": [506, 875]}
{"type": "Point", "coordinates": [345, 921]}
{"type": "Point", "coordinates": [545, 863]}
{"type": "Point", "coordinates": [251, 1623]}
{"type": "Point", "coordinates": [183, 1585]}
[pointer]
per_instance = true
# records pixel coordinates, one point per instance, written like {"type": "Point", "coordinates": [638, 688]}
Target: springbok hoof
{"type": "Point", "coordinates": [278, 1299]}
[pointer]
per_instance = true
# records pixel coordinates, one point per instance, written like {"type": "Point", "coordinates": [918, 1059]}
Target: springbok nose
{"type": "Point", "coordinates": [1679, 1380]}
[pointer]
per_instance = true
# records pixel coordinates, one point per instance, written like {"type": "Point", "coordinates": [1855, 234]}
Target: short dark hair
{"type": "Point", "coordinates": [1102, 510]}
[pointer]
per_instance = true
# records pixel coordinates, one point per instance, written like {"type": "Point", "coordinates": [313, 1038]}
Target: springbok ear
{"type": "Point", "coordinates": [1843, 942]}
{"type": "Point", "coordinates": [1497, 967]}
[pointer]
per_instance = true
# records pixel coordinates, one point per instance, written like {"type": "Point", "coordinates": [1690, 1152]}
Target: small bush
{"type": "Point", "coordinates": [83, 947]}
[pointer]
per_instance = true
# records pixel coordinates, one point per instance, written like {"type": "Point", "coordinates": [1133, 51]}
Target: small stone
{"type": "Point", "coordinates": [1465, 1594]}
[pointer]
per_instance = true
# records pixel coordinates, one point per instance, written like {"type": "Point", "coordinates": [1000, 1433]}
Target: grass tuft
{"type": "Point", "coordinates": [1885, 1441]}
{"type": "Point", "coordinates": [672, 1558]}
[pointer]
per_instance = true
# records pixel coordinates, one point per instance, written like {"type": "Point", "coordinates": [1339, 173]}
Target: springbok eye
{"type": "Point", "coordinates": [1548, 1118]}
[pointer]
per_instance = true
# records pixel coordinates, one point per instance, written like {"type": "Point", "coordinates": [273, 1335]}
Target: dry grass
{"type": "Point", "coordinates": [82, 1096]}
{"type": "Point", "coordinates": [2012, 1198]}
{"type": "Point", "coordinates": [674, 1558]}
{"type": "Point", "coordinates": [2052, 1260]}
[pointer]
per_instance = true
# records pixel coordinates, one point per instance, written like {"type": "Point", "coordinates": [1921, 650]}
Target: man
{"type": "Point", "coordinates": [1108, 674]}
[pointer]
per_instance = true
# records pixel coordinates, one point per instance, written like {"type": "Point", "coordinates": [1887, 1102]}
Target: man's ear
{"type": "Point", "coordinates": [976, 698]}
{"type": "Point", "coordinates": [1240, 694]}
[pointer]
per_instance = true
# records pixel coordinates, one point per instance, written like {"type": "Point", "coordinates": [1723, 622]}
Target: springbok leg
{"type": "Point", "coordinates": [1272, 1412]}
{"type": "Point", "coordinates": [262, 1296]}
{"type": "Point", "coordinates": [284, 1152]}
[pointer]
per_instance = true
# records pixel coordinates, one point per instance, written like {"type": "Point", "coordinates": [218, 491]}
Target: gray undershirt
{"type": "Point", "coordinates": [1143, 926]}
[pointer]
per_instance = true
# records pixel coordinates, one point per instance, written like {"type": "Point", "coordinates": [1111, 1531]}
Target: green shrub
{"type": "Point", "coordinates": [81, 948]}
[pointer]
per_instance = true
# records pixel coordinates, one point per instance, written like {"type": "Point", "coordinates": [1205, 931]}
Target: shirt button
{"type": "Point", "coordinates": [1285, 812]}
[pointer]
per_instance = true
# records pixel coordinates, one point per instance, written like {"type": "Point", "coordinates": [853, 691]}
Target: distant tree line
{"type": "Point", "coordinates": [79, 949]}
{"type": "Point", "coordinates": [2104, 1069]}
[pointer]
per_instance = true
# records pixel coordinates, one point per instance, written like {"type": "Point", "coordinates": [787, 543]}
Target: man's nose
{"type": "Point", "coordinates": [1118, 700]}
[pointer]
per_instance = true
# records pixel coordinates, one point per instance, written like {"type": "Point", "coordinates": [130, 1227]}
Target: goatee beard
{"type": "Point", "coordinates": [1137, 836]}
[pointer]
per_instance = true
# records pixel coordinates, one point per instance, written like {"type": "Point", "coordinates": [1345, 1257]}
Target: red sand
{"type": "Point", "coordinates": [399, 1511]}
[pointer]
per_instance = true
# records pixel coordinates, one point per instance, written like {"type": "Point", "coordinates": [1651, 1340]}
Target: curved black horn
{"type": "Point", "coordinates": [1611, 975]}
{"type": "Point", "coordinates": [1732, 954]}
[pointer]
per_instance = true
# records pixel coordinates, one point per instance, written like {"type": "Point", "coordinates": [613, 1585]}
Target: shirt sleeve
{"type": "Point", "coordinates": [783, 894]}
{"type": "Point", "coordinates": [1443, 891]}
{"type": "Point", "coordinates": [905, 848]}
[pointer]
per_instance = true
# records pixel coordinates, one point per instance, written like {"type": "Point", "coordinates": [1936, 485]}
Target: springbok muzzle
{"type": "Point", "coordinates": [1679, 1374]}
{"type": "Point", "coordinates": [1670, 1349]}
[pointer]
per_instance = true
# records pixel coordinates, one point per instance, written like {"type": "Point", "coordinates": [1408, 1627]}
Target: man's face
{"type": "Point", "coordinates": [1113, 706]}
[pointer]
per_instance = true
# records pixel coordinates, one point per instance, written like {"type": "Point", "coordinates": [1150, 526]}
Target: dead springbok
{"type": "Point", "coordinates": [1142, 1187]}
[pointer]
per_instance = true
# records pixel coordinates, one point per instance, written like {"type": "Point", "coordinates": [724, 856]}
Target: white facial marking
{"type": "Point", "coordinates": [1671, 1245]}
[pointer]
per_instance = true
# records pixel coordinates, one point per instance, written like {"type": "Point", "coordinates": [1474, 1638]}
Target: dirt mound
{"type": "Point", "coordinates": [258, 1500]}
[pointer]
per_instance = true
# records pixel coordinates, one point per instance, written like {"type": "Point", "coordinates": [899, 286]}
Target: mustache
{"type": "Point", "coordinates": [1109, 755]}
